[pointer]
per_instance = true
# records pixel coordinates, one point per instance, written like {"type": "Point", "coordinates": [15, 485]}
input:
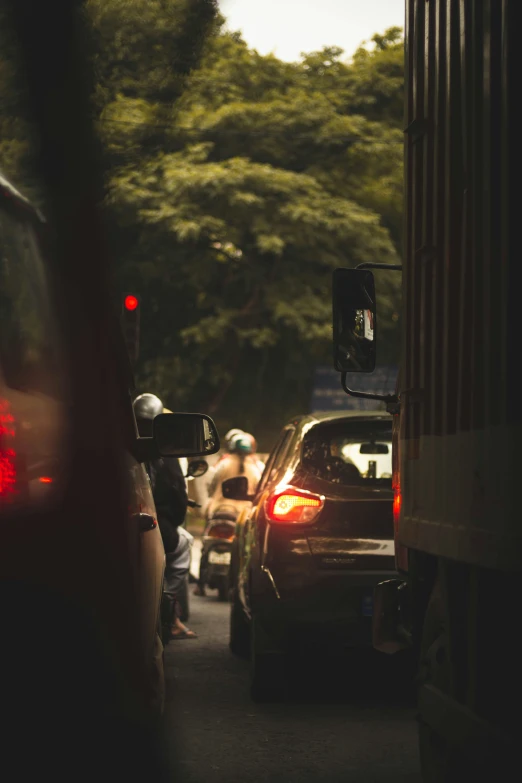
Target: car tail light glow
{"type": "Point", "coordinates": [7, 453]}
{"type": "Point", "coordinates": [296, 506]}
{"type": "Point", "coordinates": [45, 480]}
{"type": "Point", "coordinates": [397, 502]}
{"type": "Point", "coordinates": [222, 531]}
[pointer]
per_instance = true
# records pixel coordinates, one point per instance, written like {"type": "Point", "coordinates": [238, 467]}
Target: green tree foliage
{"type": "Point", "coordinates": [235, 184]}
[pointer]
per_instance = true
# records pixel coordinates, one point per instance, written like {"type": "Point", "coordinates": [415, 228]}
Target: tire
{"type": "Point", "coordinates": [222, 588]}
{"type": "Point", "coordinates": [439, 762]}
{"type": "Point", "coordinates": [233, 572]}
{"type": "Point", "coordinates": [239, 641]}
{"type": "Point", "coordinates": [268, 675]}
{"type": "Point", "coordinates": [183, 600]}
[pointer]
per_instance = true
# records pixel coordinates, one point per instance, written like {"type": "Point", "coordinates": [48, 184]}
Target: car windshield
{"type": "Point", "coordinates": [349, 452]}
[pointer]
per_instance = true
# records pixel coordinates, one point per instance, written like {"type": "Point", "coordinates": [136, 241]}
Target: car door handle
{"type": "Point", "coordinates": [145, 522]}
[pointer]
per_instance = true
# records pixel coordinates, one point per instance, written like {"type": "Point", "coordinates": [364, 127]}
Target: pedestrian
{"type": "Point", "coordinates": [170, 498]}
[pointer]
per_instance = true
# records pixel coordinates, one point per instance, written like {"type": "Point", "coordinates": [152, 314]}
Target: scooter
{"type": "Point", "coordinates": [216, 551]}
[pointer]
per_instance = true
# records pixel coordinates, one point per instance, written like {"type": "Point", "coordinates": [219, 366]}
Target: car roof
{"type": "Point", "coordinates": [10, 190]}
{"type": "Point", "coordinates": [317, 418]}
{"type": "Point", "coordinates": [11, 195]}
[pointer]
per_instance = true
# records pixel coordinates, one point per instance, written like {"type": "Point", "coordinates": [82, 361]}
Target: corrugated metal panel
{"type": "Point", "coordinates": [459, 373]}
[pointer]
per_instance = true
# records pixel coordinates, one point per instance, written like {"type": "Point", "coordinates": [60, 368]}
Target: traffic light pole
{"type": "Point", "coordinates": [131, 324]}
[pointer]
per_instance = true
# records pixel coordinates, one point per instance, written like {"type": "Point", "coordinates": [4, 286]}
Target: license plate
{"type": "Point", "coordinates": [367, 606]}
{"type": "Point", "coordinates": [219, 558]}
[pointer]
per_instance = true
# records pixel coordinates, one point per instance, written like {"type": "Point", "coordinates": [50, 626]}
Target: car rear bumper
{"type": "Point", "coordinates": [334, 606]}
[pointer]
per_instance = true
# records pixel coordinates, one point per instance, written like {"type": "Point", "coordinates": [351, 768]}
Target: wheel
{"type": "Point", "coordinates": [439, 762]}
{"type": "Point", "coordinates": [239, 629]}
{"type": "Point", "coordinates": [222, 588]}
{"type": "Point", "coordinates": [183, 600]}
{"type": "Point", "coordinates": [268, 678]}
{"type": "Point", "coordinates": [234, 561]}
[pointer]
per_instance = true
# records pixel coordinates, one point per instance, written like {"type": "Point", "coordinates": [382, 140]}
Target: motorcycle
{"type": "Point", "coordinates": [216, 551]}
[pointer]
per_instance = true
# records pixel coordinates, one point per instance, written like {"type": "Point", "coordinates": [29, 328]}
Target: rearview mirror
{"type": "Point", "coordinates": [236, 488]}
{"type": "Point", "coordinates": [197, 468]}
{"type": "Point", "coordinates": [185, 435]}
{"type": "Point", "coordinates": [374, 448]}
{"type": "Point", "coordinates": [354, 320]}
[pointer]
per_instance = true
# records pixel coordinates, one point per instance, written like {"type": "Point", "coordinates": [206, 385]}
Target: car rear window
{"type": "Point", "coordinates": [350, 453]}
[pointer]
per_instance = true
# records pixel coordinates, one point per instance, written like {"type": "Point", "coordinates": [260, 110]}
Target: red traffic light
{"type": "Point", "coordinates": [131, 302]}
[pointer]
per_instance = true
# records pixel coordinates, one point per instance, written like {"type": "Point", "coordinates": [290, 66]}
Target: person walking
{"type": "Point", "coordinates": [170, 498]}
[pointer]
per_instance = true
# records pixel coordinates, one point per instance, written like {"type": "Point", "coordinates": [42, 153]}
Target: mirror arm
{"type": "Point", "coordinates": [145, 450]}
{"type": "Point", "coordinates": [371, 265]}
{"type": "Point", "coordinates": [389, 399]}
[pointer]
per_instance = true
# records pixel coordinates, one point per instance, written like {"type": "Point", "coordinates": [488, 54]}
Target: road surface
{"type": "Point", "coordinates": [338, 725]}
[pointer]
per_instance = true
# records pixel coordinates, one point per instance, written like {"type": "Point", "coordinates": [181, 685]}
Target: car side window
{"type": "Point", "coordinates": [281, 455]}
{"type": "Point", "coordinates": [271, 461]}
{"type": "Point", "coordinates": [28, 346]}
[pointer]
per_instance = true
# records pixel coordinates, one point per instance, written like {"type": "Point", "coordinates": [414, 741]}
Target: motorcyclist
{"type": "Point", "coordinates": [240, 459]}
{"type": "Point", "coordinates": [170, 498]}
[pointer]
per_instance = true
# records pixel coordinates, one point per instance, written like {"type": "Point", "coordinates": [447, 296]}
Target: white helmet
{"type": "Point", "coordinates": [230, 436]}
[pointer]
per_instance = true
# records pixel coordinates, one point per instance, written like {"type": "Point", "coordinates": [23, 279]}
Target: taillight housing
{"type": "Point", "coordinates": [294, 506]}
{"type": "Point", "coordinates": [226, 532]}
{"type": "Point", "coordinates": [397, 502]}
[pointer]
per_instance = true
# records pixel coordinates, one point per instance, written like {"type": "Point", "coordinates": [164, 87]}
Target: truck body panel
{"type": "Point", "coordinates": [460, 419]}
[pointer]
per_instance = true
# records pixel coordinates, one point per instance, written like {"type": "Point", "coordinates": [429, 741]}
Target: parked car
{"type": "Point", "coordinates": [318, 538]}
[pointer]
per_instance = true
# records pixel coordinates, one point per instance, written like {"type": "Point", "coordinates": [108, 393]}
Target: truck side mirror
{"type": "Point", "coordinates": [354, 320]}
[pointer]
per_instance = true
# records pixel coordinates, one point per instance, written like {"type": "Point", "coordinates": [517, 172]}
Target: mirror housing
{"type": "Point", "coordinates": [354, 320]}
{"type": "Point", "coordinates": [197, 468]}
{"type": "Point", "coordinates": [236, 488]}
{"type": "Point", "coordinates": [185, 435]}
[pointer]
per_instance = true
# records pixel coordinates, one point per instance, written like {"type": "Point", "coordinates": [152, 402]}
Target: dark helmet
{"type": "Point", "coordinates": [146, 408]}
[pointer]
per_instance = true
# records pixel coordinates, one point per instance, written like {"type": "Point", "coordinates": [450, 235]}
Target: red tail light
{"type": "Point", "coordinates": [397, 502]}
{"type": "Point", "coordinates": [45, 480]}
{"type": "Point", "coordinates": [7, 453]}
{"type": "Point", "coordinates": [296, 506]}
{"type": "Point", "coordinates": [221, 531]}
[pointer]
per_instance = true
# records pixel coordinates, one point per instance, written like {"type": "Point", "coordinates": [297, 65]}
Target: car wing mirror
{"type": "Point", "coordinates": [196, 468]}
{"type": "Point", "coordinates": [236, 488]}
{"type": "Point", "coordinates": [185, 435]}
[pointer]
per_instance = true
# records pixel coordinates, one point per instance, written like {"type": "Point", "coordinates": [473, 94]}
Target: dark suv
{"type": "Point", "coordinates": [317, 540]}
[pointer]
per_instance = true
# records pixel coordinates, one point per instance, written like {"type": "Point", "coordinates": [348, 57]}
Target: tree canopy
{"type": "Point", "coordinates": [236, 183]}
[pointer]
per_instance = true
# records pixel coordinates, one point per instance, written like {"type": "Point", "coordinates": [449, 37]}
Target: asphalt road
{"type": "Point", "coordinates": [344, 720]}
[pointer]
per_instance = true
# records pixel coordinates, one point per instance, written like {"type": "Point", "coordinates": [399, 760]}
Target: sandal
{"type": "Point", "coordinates": [185, 634]}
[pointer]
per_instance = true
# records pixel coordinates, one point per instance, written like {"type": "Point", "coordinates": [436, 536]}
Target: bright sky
{"type": "Point", "coordinates": [289, 27]}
